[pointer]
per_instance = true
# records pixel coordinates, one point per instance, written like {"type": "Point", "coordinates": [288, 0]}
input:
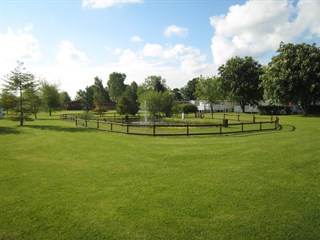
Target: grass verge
{"type": "Point", "coordinates": [61, 182]}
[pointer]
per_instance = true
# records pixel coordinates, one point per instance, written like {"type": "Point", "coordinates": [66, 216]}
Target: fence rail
{"type": "Point", "coordinates": [160, 129]}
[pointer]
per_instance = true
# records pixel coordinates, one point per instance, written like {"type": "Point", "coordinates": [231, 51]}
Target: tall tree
{"type": "Point", "coordinates": [188, 91]}
{"type": "Point", "coordinates": [34, 102]}
{"type": "Point", "coordinates": [86, 98]}
{"type": "Point", "coordinates": [157, 102]}
{"type": "Point", "coordinates": [293, 76]}
{"type": "Point", "coordinates": [132, 91]}
{"type": "Point", "coordinates": [156, 83]}
{"type": "Point", "coordinates": [126, 105]}
{"type": "Point", "coordinates": [240, 80]}
{"type": "Point", "coordinates": [17, 83]}
{"type": "Point", "coordinates": [209, 89]}
{"type": "Point", "coordinates": [100, 96]}
{"type": "Point", "coordinates": [116, 85]}
{"type": "Point", "coordinates": [64, 98]}
{"type": "Point", "coordinates": [8, 100]}
{"type": "Point", "coordinates": [50, 97]}
{"type": "Point", "coordinates": [177, 94]}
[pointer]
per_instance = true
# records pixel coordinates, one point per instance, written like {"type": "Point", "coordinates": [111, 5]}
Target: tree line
{"type": "Point", "coordinates": [291, 77]}
{"type": "Point", "coordinates": [23, 95]}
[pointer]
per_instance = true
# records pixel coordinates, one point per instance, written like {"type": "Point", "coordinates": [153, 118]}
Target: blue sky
{"type": "Point", "coordinates": [71, 42]}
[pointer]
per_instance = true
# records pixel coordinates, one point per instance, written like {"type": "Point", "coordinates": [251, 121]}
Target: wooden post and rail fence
{"type": "Point", "coordinates": [238, 125]}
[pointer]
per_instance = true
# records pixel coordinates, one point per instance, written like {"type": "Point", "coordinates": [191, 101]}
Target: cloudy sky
{"type": "Point", "coordinates": [69, 42]}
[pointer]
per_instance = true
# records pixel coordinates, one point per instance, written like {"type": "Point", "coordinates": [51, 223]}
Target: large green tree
{"type": "Point", "coordinates": [17, 83]}
{"type": "Point", "coordinates": [116, 86]}
{"type": "Point", "coordinates": [157, 102]}
{"type": "Point", "coordinates": [65, 98]}
{"type": "Point", "coordinates": [50, 97]}
{"type": "Point", "coordinates": [188, 91]}
{"type": "Point", "coordinates": [34, 101]}
{"type": "Point", "coordinates": [86, 98]}
{"type": "Point", "coordinates": [240, 80]}
{"type": "Point", "coordinates": [209, 89]}
{"type": "Point", "coordinates": [156, 83]}
{"type": "Point", "coordinates": [8, 100]}
{"type": "Point", "coordinates": [100, 96]}
{"type": "Point", "coordinates": [127, 103]}
{"type": "Point", "coordinates": [293, 75]}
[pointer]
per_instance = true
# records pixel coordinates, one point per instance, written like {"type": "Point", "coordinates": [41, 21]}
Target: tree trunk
{"type": "Point", "coordinates": [243, 107]}
{"type": "Point", "coordinates": [211, 109]}
{"type": "Point", "coordinates": [21, 104]}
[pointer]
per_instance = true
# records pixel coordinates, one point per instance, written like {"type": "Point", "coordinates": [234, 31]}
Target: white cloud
{"type": "Point", "coordinates": [106, 3]}
{"type": "Point", "coordinates": [20, 45]}
{"type": "Point", "coordinates": [68, 55]}
{"type": "Point", "coordinates": [178, 63]}
{"type": "Point", "coordinates": [135, 39]}
{"type": "Point", "coordinates": [152, 50]}
{"type": "Point", "coordinates": [257, 27]}
{"type": "Point", "coordinates": [174, 30]}
{"type": "Point", "coordinates": [308, 17]}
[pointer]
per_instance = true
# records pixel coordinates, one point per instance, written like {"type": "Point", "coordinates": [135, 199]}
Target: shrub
{"type": "Point", "coordinates": [189, 108]}
{"type": "Point", "coordinates": [314, 109]}
{"type": "Point", "coordinates": [86, 116]}
{"type": "Point", "coordinates": [274, 110]}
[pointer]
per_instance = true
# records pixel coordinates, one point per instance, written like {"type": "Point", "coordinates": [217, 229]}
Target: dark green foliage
{"type": "Point", "coordinates": [157, 102]}
{"type": "Point", "coordinates": [189, 108]}
{"type": "Point", "coordinates": [188, 91]}
{"type": "Point", "coordinates": [64, 98]}
{"type": "Point", "coordinates": [274, 110]}
{"type": "Point", "coordinates": [240, 80]}
{"type": "Point", "coordinates": [156, 83]}
{"type": "Point", "coordinates": [8, 100]}
{"type": "Point", "coordinates": [314, 109]}
{"type": "Point", "coordinates": [86, 98]}
{"type": "Point", "coordinates": [177, 94]}
{"type": "Point", "coordinates": [15, 97]}
{"type": "Point", "coordinates": [293, 76]}
{"type": "Point", "coordinates": [125, 105]}
{"type": "Point", "coordinates": [116, 86]}
{"type": "Point", "coordinates": [100, 96]}
{"type": "Point", "coordinates": [50, 97]}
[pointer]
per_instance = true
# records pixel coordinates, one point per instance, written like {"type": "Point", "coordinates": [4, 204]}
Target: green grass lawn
{"type": "Point", "coordinates": [62, 182]}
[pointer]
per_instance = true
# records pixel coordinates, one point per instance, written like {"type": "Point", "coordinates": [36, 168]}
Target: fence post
{"type": "Point", "coordinates": [86, 121]}
{"type": "Point", "coordinates": [127, 128]}
{"type": "Point", "coordinates": [241, 126]}
{"type": "Point", "coordinates": [260, 126]}
{"type": "Point", "coordinates": [238, 117]}
{"type": "Point", "coordinates": [254, 119]}
{"type": "Point", "coordinates": [98, 124]}
{"type": "Point", "coordinates": [76, 121]}
{"type": "Point", "coordinates": [187, 129]}
{"type": "Point", "coordinates": [110, 126]}
{"type": "Point", "coordinates": [276, 123]}
{"type": "Point", "coordinates": [220, 128]}
{"type": "Point", "coordinates": [154, 129]}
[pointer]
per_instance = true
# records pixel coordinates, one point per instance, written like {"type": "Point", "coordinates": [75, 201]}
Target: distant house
{"type": "Point", "coordinates": [223, 106]}
{"type": "Point", "coordinates": [73, 105]}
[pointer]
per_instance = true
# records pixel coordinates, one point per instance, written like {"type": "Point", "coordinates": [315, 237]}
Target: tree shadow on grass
{"type": "Point", "coordinates": [58, 128]}
{"type": "Point", "coordinates": [287, 128]}
{"type": "Point", "coordinates": [281, 129]}
{"type": "Point", "coordinates": [9, 130]}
